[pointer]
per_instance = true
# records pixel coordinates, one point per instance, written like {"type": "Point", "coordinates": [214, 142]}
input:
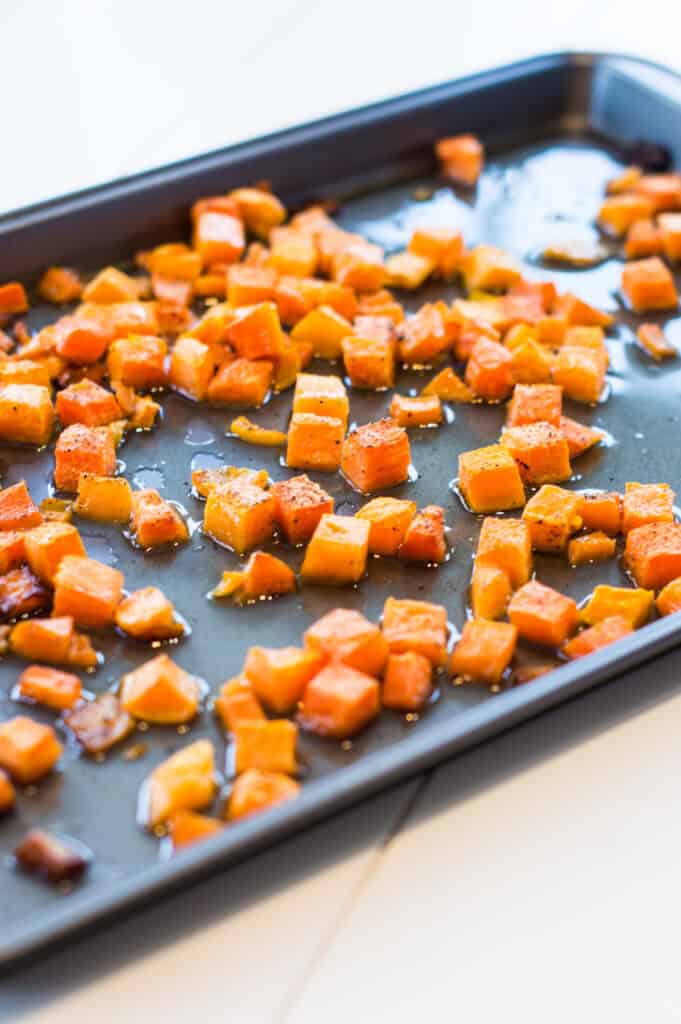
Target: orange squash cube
{"type": "Point", "coordinates": [619, 212]}
{"type": "Point", "coordinates": [26, 414]}
{"type": "Point", "coordinates": [653, 554]}
{"type": "Point", "coordinates": [376, 455]}
{"type": "Point", "coordinates": [489, 480]}
{"type": "Point", "coordinates": [266, 576]}
{"type": "Point", "coordinates": [487, 268]}
{"type": "Point", "coordinates": [407, 683]}
{"type": "Point", "coordinates": [601, 635]}
{"type": "Point", "coordinates": [255, 332]}
{"type": "Point", "coordinates": [87, 590]}
{"type": "Point", "coordinates": [408, 269]}
{"type": "Point", "coordinates": [339, 701]}
{"type": "Point", "coordinates": [668, 600]}
{"type": "Point", "coordinates": [278, 677]}
{"type": "Point", "coordinates": [649, 285]}
{"type": "Point", "coordinates": [541, 452]}
{"type": "Point", "coordinates": [247, 286]}
{"type": "Point", "coordinates": [104, 498]}
{"type": "Point", "coordinates": [461, 158]}
{"type": "Point", "coordinates": [17, 510]}
{"type": "Point", "coordinates": [183, 782]}
{"type": "Point", "coordinates": [634, 605]}
{"type": "Point", "coordinates": [663, 190]}
{"type": "Point", "coordinates": [187, 827]}
{"type": "Point", "coordinates": [670, 228]}
{"type": "Point", "coordinates": [241, 382]}
{"type": "Point", "coordinates": [490, 592]}
{"type": "Point", "coordinates": [601, 510]}
{"type": "Point", "coordinates": [324, 329]}
{"type": "Point", "coordinates": [12, 299]}
{"type": "Point", "coordinates": [646, 503]}
{"type": "Point", "coordinates": [534, 403]}
{"type": "Point", "coordinates": [260, 210]}
{"type": "Point", "coordinates": [12, 551]}
{"type": "Point", "coordinates": [542, 615]}
{"type": "Point", "coordinates": [99, 724]}
{"type": "Point", "coordinates": [652, 339]}
{"type": "Point", "coordinates": [359, 265]}
{"type": "Point", "coordinates": [579, 437]}
{"type": "Point", "coordinates": [416, 626]}
{"type": "Point", "coordinates": [488, 371]}
{"type": "Point", "coordinates": [28, 750]}
{"type": "Point", "coordinates": [265, 746]}
{"type": "Point", "coordinates": [530, 362]}
{"type": "Point", "coordinates": [442, 246]}
{"type": "Point", "coordinates": [25, 371]}
{"type": "Point", "coordinates": [218, 237]}
{"type": "Point", "coordinates": [240, 515]}
{"type": "Point", "coordinates": [321, 395]}
{"type": "Point", "coordinates": [448, 387]}
{"type": "Point", "coordinates": [111, 285]}
{"type": "Point", "coordinates": [369, 362]}
{"type": "Point", "coordinates": [424, 336]}
{"type": "Point", "coordinates": [484, 651]}
{"type": "Point", "coordinates": [43, 639]}
{"type": "Point", "coordinates": [337, 552]}
{"type": "Point", "coordinates": [625, 181]}
{"type": "Point", "coordinates": [425, 539]}
{"type": "Point", "coordinates": [237, 703]}
{"type": "Point", "coordinates": [552, 515]}
{"type": "Point", "coordinates": [256, 791]}
{"type": "Point", "coordinates": [292, 252]}
{"type": "Point", "coordinates": [160, 691]}
{"type": "Point", "coordinates": [389, 520]}
{"type": "Point", "coordinates": [300, 504]}
{"type": "Point", "coordinates": [50, 687]}
{"type": "Point", "coordinates": [7, 793]}
{"type": "Point", "coordinates": [82, 449]}
{"type": "Point", "coordinates": [156, 522]}
{"type": "Point", "coordinates": [344, 634]}
{"type": "Point", "coordinates": [421, 411]}
{"type": "Point", "coordinates": [47, 544]}
{"type": "Point", "coordinates": [580, 372]}
{"type": "Point", "coordinates": [591, 547]}
{"type": "Point", "coordinates": [147, 614]}
{"type": "Point", "coordinates": [89, 403]}
{"type": "Point", "coordinates": [192, 365]}
{"type": "Point", "coordinates": [644, 239]}
{"type": "Point", "coordinates": [506, 544]}
{"type": "Point", "coordinates": [315, 442]}
{"type": "Point", "coordinates": [139, 361]}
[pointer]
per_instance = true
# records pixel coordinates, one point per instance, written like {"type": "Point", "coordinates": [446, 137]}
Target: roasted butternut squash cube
{"type": "Point", "coordinates": [237, 703]}
{"type": "Point", "coordinates": [111, 285]}
{"type": "Point", "coordinates": [442, 246]}
{"type": "Point", "coordinates": [534, 403]}
{"type": "Point", "coordinates": [506, 544]}
{"type": "Point", "coordinates": [240, 515]}
{"type": "Point", "coordinates": [265, 746]}
{"type": "Point", "coordinates": [670, 227]}
{"type": "Point", "coordinates": [421, 411]}
{"type": "Point", "coordinates": [344, 634]}
{"type": "Point", "coordinates": [7, 793]}
{"type": "Point", "coordinates": [646, 503]}
{"type": "Point", "coordinates": [424, 336]}
{"type": "Point", "coordinates": [663, 190]}
{"type": "Point", "coordinates": [484, 651]}
{"type": "Point", "coordinates": [530, 362]}
{"type": "Point", "coordinates": [12, 551]}
{"type": "Point", "coordinates": [292, 252]}
{"type": "Point", "coordinates": [206, 480]}
{"type": "Point", "coordinates": [407, 684]}
{"type": "Point", "coordinates": [82, 449]}
{"type": "Point", "coordinates": [12, 298]}
{"type": "Point", "coordinates": [155, 521]}
{"type": "Point", "coordinates": [247, 285]}
{"type": "Point", "coordinates": [490, 592]}
{"type": "Point", "coordinates": [104, 498]}
{"type": "Point", "coordinates": [324, 329]}
{"type": "Point", "coordinates": [339, 701]}
{"type": "Point", "coordinates": [542, 615]}
{"type": "Point", "coordinates": [87, 590]}
{"type": "Point", "coordinates": [591, 547]}
{"type": "Point", "coordinates": [649, 285]}
{"type": "Point", "coordinates": [488, 371]}
{"type": "Point", "coordinates": [540, 451]}
{"type": "Point", "coordinates": [50, 687]}
{"type": "Point", "coordinates": [138, 361]}
{"type": "Point", "coordinates": [255, 332]}
{"type": "Point", "coordinates": [359, 265]}
{"type": "Point", "coordinates": [644, 239]}
{"type": "Point", "coordinates": [266, 576]}
{"type": "Point", "coordinates": [300, 504]}
{"type": "Point", "coordinates": [487, 268]}
{"type": "Point", "coordinates": [260, 210]}
{"type": "Point", "coordinates": [26, 414]}
{"type": "Point", "coordinates": [218, 237]}
{"type": "Point", "coordinates": [255, 791]}
{"type": "Point", "coordinates": [147, 614]}
{"type": "Point", "coordinates": [579, 437]}
{"type": "Point", "coordinates": [89, 403]}
{"type": "Point", "coordinates": [408, 269]}
{"type": "Point", "coordinates": [160, 691]}
{"type": "Point", "coordinates": [416, 626]}
{"type": "Point", "coordinates": [174, 260]}
{"type": "Point", "coordinates": [668, 600]}
{"type": "Point", "coordinates": [376, 455]}
{"type": "Point", "coordinates": [315, 442]}
{"type": "Point", "coordinates": [187, 827]}
{"type": "Point", "coordinates": [625, 181]}
{"type": "Point", "coordinates": [619, 212]}
{"type": "Point", "coordinates": [580, 372]}
{"type": "Point", "coordinates": [604, 633]}
{"type": "Point", "coordinates": [652, 339]}
{"type": "Point", "coordinates": [241, 382]}
{"type": "Point", "coordinates": [369, 362]}
{"type": "Point", "coordinates": [278, 676]}
{"type": "Point", "coordinates": [28, 750]}
{"type": "Point", "coordinates": [321, 395]}
{"type": "Point", "coordinates": [461, 158]}
{"type": "Point", "coordinates": [653, 554]}
{"type": "Point", "coordinates": [634, 605]}
{"type": "Point", "coordinates": [601, 510]}
{"type": "Point", "coordinates": [47, 544]}
{"type": "Point", "coordinates": [25, 371]}
{"type": "Point", "coordinates": [425, 539]}
{"type": "Point", "coordinates": [489, 479]}
{"type": "Point", "coordinates": [449, 387]}
{"type": "Point", "coordinates": [337, 552]}
{"type": "Point", "coordinates": [192, 365]}
{"type": "Point", "coordinates": [552, 515]}
{"type": "Point", "coordinates": [183, 782]}
{"type": "Point", "coordinates": [389, 520]}
{"type": "Point", "coordinates": [99, 724]}
{"type": "Point", "coordinates": [83, 339]}
{"type": "Point", "coordinates": [17, 510]}
{"type": "Point", "coordinates": [43, 639]}
{"type": "Point", "coordinates": [580, 313]}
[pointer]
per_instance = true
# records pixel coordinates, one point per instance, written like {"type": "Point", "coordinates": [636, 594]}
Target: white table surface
{"type": "Point", "coordinates": [535, 878]}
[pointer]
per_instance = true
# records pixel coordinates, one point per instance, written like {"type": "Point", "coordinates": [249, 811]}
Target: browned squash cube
{"type": "Point", "coordinates": [489, 479]}
{"type": "Point", "coordinates": [490, 269]}
{"type": "Point", "coordinates": [82, 449]}
{"type": "Point", "coordinates": [240, 515]}
{"type": "Point", "coordinates": [160, 691]}
{"type": "Point", "coordinates": [376, 455]}
{"type": "Point", "coordinates": [321, 395]}
{"type": "Point", "coordinates": [541, 452]}
{"type": "Point", "coordinates": [314, 442]}
{"type": "Point", "coordinates": [648, 285]}
{"type": "Point", "coordinates": [369, 362]}
{"type": "Point", "coordinates": [26, 414]}
{"type": "Point", "coordinates": [241, 382]}
{"type": "Point", "coordinates": [337, 553]}
{"type": "Point", "coordinates": [192, 365]}
{"type": "Point", "coordinates": [107, 499]}
{"type": "Point", "coordinates": [87, 590]}
{"type": "Point", "coordinates": [183, 782]}
{"type": "Point", "coordinates": [28, 749]}
{"type": "Point", "coordinates": [47, 544]}
{"type": "Point", "coordinates": [301, 503]}
{"type": "Point", "coordinates": [265, 746]}
{"type": "Point", "coordinates": [138, 361]}
{"type": "Point", "coordinates": [155, 521]}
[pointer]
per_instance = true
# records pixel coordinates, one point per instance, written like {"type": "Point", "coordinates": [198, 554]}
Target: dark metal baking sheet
{"type": "Point", "coordinates": [555, 127]}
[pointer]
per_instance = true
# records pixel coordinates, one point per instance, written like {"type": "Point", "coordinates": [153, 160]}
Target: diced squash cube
{"type": "Point", "coordinates": [255, 332]}
{"type": "Point", "coordinates": [187, 827]}
{"type": "Point", "coordinates": [105, 498]}
{"type": "Point", "coordinates": [87, 590]}
{"type": "Point", "coordinates": [670, 227]}
{"type": "Point", "coordinates": [580, 371]}
{"type": "Point", "coordinates": [260, 210]}
{"type": "Point", "coordinates": [315, 442]}
{"type": "Point", "coordinates": [442, 246]}
{"type": "Point", "coordinates": [206, 480]}
{"type": "Point", "coordinates": [668, 600]}
{"type": "Point", "coordinates": [82, 339]}
{"type": "Point", "coordinates": [416, 626]}
{"type": "Point", "coordinates": [604, 633]}
{"type": "Point", "coordinates": [25, 371]}
{"type": "Point", "coordinates": [21, 592]}
{"type": "Point", "coordinates": [601, 510]}
{"type": "Point", "coordinates": [484, 651]}
{"type": "Point", "coordinates": [389, 520]}
{"type": "Point", "coordinates": [111, 285]}
{"type": "Point", "coordinates": [43, 639]}
{"type": "Point", "coordinates": [619, 212]}
{"type": "Point", "coordinates": [12, 551]}
{"type": "Point", "coordinates": [579, 437]}
{"type": "Point", "coordinates": [542, 615]}
{"type": "Point", "coordinates": [646, 503]}
{"type": "Point", "coordinates": [241, 382]}
{"type": "Point", "coordinates": [257, 791]}
{"type": "Point", "coordinates": [651, 337]}
{"type": "Point", "coordinates": [87, 402]}
{"type": "Point", "coordinates": [28, 750]}
{"type": "Point", "coordinates": [174, 261]}
{"type": "Point", "coordinates": [634, 605]}
{"type": "Point", "coordinates": [321, 395]}
{"type": "Point", "coordinates": [421, 411]}
{"type": "Point", "coordinates": [506, 544]}
{"type": "Point", "coordinates": [100, 723]}
{"type": "Point", "coordinates": [552, 515]}
{"type": "Point", "coordinates": [663, 190]}
{"type": "Point", "coordinates": [408, 269]}
{"type": "Point", "coordinates": [265, 746]}
{"type": "Point", "coordinates": [625, 181]}
{"type": "Point", "coordinates": [300, 504]}
{"type": "Point", "coordinates": [138, 361]}
{"type": "Point", "coordinates": [346, 635]}
{"type": "Point", "coordinates": [359, 265]}
{"type": "Point", "coordinates": [530, 362]}
{"type": "Point", "coordinates": [218, 237]}
{"type": "Point", "coordinates": [237, 703]}
{"type": "Point", "coordinates": [424, 336]}
{"type": "Point", "coordinates": [490, 592]}
{"type": "Point", "coordinates": [376, 455]}
{"type": "Point", "coordinates": [183, 782]}
{"type": "Point", "coordinates": [160, 691]}
{"type": "Point", "coordinates": [278, 677]}
{"type": "Point", "coordinates": [488, 371]}
{"type": "Point", "coordinates": [148, 614]}
{"type": "Point", "coordinates": [644, 239]}
{"type": "Point", "coordinates": [461, 158]}
{"type": "Point", "coordinates": [26, 414]}
{"type": "Point", "coordinates": [266, 576]}
{"type": "Point", "coordinates": [540, 451]}
{"type": "Point", "coordinates": [247, 286]}
{"type": "Point", "coordinates": [50, 687]}
{"type": "Point", "coordinates": [240, 515]}
{"type": "Point", "coordinates": [339, 701]}
{"type": "Point", "coordinates": [578, 312]}
{"type": "Point", "coordinates": [7, 793]}
{"type": "Point", "coordinates": [17, 510]}
{"type": "Point", "coordinates": [47, 544]}
{"type": "Point", "coordinates": [337, 552]}
{"type": "Point", "coordinates": [487, 268]}
{"type": "Point", "coordinates": [407, 683]}
{"type": "Point", "coordinates": [534, 403]}
{"type": "Point", "coordinates": [425, 539]}
{"type": "Point", "coordinates": [292, 252]}
{"type": "Point", "coordinates": [591, 547]}
{"type": "Point", "coordinates": [82, 449]}
{"type": "Point", "coordinates": [449, 387]}
{"type": "Point", "coordinates": [369, 362]}
{"type": "Point", "coordinates": [12, 298]}
{"type": "Point", "coordinates": [653, 554]}
{"type": "Point", "coordinates": [324, 329]}
{"type": "Point", "coordinates": [155, 521]}
{"type": "Point", "coordinates": [649, 285]}
{"type": "Point", "coordinates": [192, 365]}
{"type": "Point", "coordinates": [489, 479]}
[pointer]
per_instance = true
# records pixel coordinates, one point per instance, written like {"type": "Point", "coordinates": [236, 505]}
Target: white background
{"type": "Point", "coordinates": [535, 879]}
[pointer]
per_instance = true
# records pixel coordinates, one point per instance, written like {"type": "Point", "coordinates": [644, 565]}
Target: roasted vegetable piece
{"type": "Point", "coordinates": [82, 339]}
{"type": "Point", "coordinates": [542, 615]}
{"type": "Point", "coordinates": [229, 585]}
{"type": "Point", "coordinates": [206, 480]}
{"type": "Point", "coordinates": [255, 791]}
{"type": "Point", "coordinates": [591, 547]}
{"type": "Point", "coordinates": [25, 371]}
{"type": "Point", "coordinates": [653, 554]}
{"type": "Point", "coordinates": [484, 651]}
{"type": "Point", "coordinates": [668, 600]}
{"type": "Point", "coordinates": [449, 387]}
{"type": "Point", "coordinates": [265, 746]}
{"type": "Point", "coordinates": [314, 442]}
{"type": "Point", "coordinates": [601, 510]}
{"type": "Point", "coordinates": [266, 576]}
{"type": "Point", "coordinates": [407, 683]}
{"type": "Point", "coordinates": [324, 329]}
{"type": "Point", "coordinates": [278, 676]}
{"type": "Point", "coordinates": [237, 703]}
{"type": "Point", "coordinates": [12, 298]}
{"type": "Point", "coordinates": [7, 793]}
{"type": "Point", "coordinates": [619, 212]}
{"type": "Point", "coordinates": [506, 544]}
{"type": "Point", "coordinates": [28, 749]}
{"type": "Point", "coordinates": [17, 511]}
{"type": "Point", "coordinates": [644, 239]}
{"type": "Point", "coordinates": [240, 515]}
{"type": "Point", "coordinates": [634, 605]}
{"type": "Point", "coordinates": [605, 632]}
{"type": "Point", "coordinates": [552, 515]}
{"type": "Point", "coordinates": [252, 433]}
{"type": "Point", "coordinates": [155, 521]}
{"type": "Point", "coordinates": [100, 723]}
{"type": "Point", "coordinates": [461, 158]}
{"type": "Point", "coordinates": [408, 269]}
{"type": "Point", "coordinates": [489, 479]}
{"type": "Point", "coordinates": [578, 436]}
{"type": "Point", "coordinates": [425, 539]}
{"type": "Point", "coordinates": [82, 449]}
{"type": "Point", "coordinates": [532, 403]}
{"type": "Point", "coordinates": [337, 552]}
{"type": "Point", "coordinates": [111, 285]}
{"type": "Point", "coordinates": [47, 544]}
{"type": "Point", "coordinates": [247, 286]}
{"type": "Point", "coordinates": [48, 686]}
{"type": "Point", "coordinates": [580, 371]}
{"type": "Point", "coordinates": [104, 498]}
{"type": "Point", "coordinates": [424, 336]}
{"type": "Point", "coordinates": [416, 626]}
{"type": "Point", "coordinates": [442, 246]}
{"type": "Point", "coordinates": [646, 503]}
{"type": "Point", "coordinates": [376, 455]}
{"type": "Point", "coordinates": [489, 370]}
{"type": "Point", "coordinates": [670, 228]}
{"type": "Point", "coordinates": [87, 402]}
{"type": "Point", "coordinates": [45, 854]}
{"type": "Point", "coordinates": [160, 691]}
{"type": "Point", "coordinates": [218, 237]}
{"type": "Point", "coordinates": [192, 365]}
{"type": "Point", "coordinates": [651, 338]}
{"type": "Point", "coordinates": [324, 396]}
{"type": "Point", "coordinates": [344, 634]}
{"type": "Point", "coordinates": [26, 414]}
{"type": "Point", "coordinates": [138, 361]}
{"type": "Point", "coordinates": [260, 210]}
{"type": "Point", "coordinates": [21, 592]}
{"type": "Point", "coordinates": [183, 782]}
{"type": "Point", "coordinates": [300, 504]}
{"type": "Point", "coordinates": [147, 614]}
{"type": "Point", "coordinates": [255, 332]}
{"type": "Point", "coordinates": [53, 641]}
{"type": "Point", "coordinates": [187, 827]}
{"type": "Point", "coordinates": [662, 190]}
{"type": "Point", "coordinates": [369, 362]}
{"type": "Point", "coordinates": [423, 411]}
{"type": "Point", "coordinates": [12, 550]}
{"type": "Point", "coordinates": [389, 519]}
{"type": "Point", "coordinates": [241, 382]}
{"type": "Point", "coordinates": [540, 451]}
{"type": "Point", "coordinates": [339, 701]}
{"type": "Point", "coordinates": [88, 590]}
{"type": "Point", "coordinates": [649, 285]}
{"type": "Point", "coordinates": [490, 592]}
